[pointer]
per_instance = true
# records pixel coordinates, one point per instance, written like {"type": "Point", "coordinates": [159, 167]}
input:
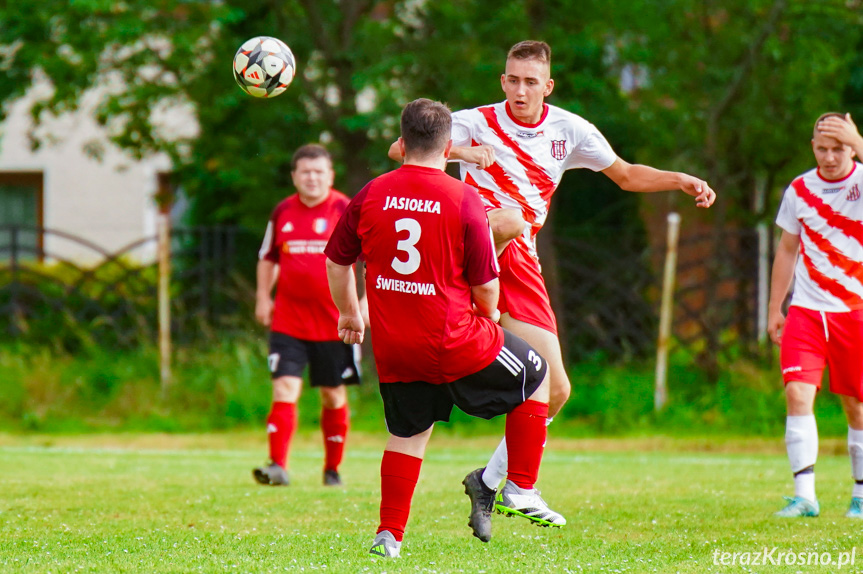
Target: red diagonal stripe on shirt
{"type": "Point", "coordinates": [838, 259]}
{"type": "Point", "coordinates": [486, 194]}
{"type": "Point", "coordinates": [507, 186]}
{"type": "Point", "coordinates": [535, 173]}
{"type": "Point", "coordinates": [499, 176]}
{"type": "Point", "coordinates": [849, 227]}
{"type": "Point", "coordinates": [836, 289]}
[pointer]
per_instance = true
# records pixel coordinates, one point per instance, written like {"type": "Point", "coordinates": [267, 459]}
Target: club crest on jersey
{"type": "Point", "coordinates": [320, 225]}
{"type": "Point", "coordinates": [287, 227]}
{"type": "Point", "coordinates": [558, 149]}
{"type": "Point", "coordinates": [853, 193]}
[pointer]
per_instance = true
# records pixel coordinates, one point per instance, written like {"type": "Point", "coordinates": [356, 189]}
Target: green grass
{"type": "Point", "coordinates": [187, 503]}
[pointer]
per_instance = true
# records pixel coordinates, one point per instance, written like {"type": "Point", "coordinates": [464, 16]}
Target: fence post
{"type": "Point", "coordinates": [763, 279]}
{"type": "Point", "coordinates": [15, 312]}
{"type": "Point", "coordinates": [164, 247]}
{"type": "Point", "coordinates": [660, 395]}
{"type": "Point", "coordinates": [164, 198]}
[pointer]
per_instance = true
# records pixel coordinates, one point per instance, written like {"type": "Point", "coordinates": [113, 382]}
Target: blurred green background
{"type": "Point", "coordinates": [727, 90]}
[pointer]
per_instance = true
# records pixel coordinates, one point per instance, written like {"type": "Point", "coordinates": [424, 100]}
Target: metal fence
{"type": "Point", "coordinates": [609, 294]}
{"type": "Point", "coordinates": [606, 292]}
{"type": "Point", "coordinates": [47, 297]}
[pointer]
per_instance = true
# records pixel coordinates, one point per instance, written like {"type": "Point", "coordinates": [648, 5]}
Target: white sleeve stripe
{"type": "Point", "coordinates": [267, 244]}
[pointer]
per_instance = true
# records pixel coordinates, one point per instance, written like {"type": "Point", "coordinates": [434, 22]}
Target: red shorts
{"type": "Point", "coordinates": [810, 340]}
{"type": "Point", "coordinates": [522, 289]}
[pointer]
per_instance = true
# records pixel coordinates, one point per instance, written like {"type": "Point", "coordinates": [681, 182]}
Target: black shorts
{"type": "Point", "coordinates": [518, 370]}
{"type": "Point", "coordinates": [331, 363]}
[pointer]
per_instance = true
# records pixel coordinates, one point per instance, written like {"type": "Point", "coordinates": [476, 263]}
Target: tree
{"type": "Point", "coordinates": [740, 83]}
{"type": "Point", "coordinates": [140, 54]}
{"type": "Point", "coordinates": [732, 89]}
{"type": "Point", "coordinates": [359, 61]}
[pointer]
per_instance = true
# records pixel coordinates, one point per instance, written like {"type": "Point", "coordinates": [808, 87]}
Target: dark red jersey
{"type": "Point", "coordinates": [425, 239]}
{"type": "Point", "coordinates": [295, 240]}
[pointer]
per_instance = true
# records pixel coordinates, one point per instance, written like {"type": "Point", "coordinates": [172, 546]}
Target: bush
{"type": "Point", "coordinates": [226, 385]}
{"type": "Point", "coordinates": [748, 399]}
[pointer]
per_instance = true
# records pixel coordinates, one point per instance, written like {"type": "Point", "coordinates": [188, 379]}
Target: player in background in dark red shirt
{"type": "Point", "coordinates": [303, 318]}
{"type": "Point", "coordinates": [432, 288]}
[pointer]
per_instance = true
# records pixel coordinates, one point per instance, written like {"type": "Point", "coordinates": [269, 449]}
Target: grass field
{"type": "Point", "coordinates": [158, 503]}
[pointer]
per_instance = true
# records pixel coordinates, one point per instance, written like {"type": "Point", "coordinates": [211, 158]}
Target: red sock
{"type": "Point", "coordinates": [281, 425]}
{"type": "Point", "coordinates": [525, 440]}
{"type": "Point", "coordinates": [399, 475]}
{"type": "Point", "coordinates": [334, 424]}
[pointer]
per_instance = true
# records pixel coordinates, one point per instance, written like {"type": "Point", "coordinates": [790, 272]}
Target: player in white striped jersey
{"type": "Point", "coordinates": [515, 152]}
{"type": "Point", "coordinates": [821, 248]}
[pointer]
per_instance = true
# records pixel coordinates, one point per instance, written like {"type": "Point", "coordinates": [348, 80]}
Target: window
{"type": "Point", "coordinates": [21, 215]}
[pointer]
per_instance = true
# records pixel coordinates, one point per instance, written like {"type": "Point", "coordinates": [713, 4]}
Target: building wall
{"type": "Point", "coordinates": [106, 201]}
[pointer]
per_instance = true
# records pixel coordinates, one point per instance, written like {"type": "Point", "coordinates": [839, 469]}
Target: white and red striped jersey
{"type": "Point", "coordinates": [529, 159]}
{"type": "Point", "coordinates": [828, 217]}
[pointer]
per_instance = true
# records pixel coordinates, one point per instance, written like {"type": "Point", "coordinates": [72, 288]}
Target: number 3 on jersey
{"type": "Point", "coordinates": [535, 359]}
{"type": "Point", "coordinates": [414, 230]}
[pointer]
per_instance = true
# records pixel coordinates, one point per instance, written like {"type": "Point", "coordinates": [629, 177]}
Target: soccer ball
{"type": "Point", "coordinates": [264, 67]}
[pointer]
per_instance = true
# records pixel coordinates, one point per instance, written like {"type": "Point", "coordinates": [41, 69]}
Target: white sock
{"type": "Point", "coordinates": [804, 485]}
{"type": "Point", "coordinates": [855, 449]}
{"type": "Point", "coordinates": [801, 442]}
{"type": "Point", "coordinates": [495, 470]}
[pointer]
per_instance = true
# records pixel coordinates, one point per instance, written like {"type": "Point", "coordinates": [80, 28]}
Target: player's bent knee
{"type": "Point", "coordinates": [506, 224]}
{"type": "Point", "coordinates": [287, 389]}
{"type": "Point", "coordinates": [334, 397]}
{"type": "Point", "coordinates": [800, 398]}
{"type": "Point", "coordinates": [558, 397]}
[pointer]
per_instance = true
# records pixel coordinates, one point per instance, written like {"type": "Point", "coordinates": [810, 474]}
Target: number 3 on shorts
{"type": "Point", "coordinates": [535, 359]}
{"type": "Point", "coordinates": [414, 230]}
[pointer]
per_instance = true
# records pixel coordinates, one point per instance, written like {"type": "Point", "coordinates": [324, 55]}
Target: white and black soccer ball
{"type": "Point", "coordinates": [264, 67]}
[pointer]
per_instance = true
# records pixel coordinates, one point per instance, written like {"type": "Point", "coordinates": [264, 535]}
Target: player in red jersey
{"type": "Point", "coordinates": [303, 319]}
{"type": "Point", "coordinates": [516, 152]}
{"type": "Point", "coordinates": [821, 248]}
{"type": "Point", "coordinates": [432, 287]}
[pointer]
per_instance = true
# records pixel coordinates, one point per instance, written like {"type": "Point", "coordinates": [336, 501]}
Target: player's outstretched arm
{"type": "Point", "coordinates": [643, 178]}
{"type": "Point", "coordinates": [343, 289]}
{"type": "Point", "coordinates": [843, 130]}
{"type": "Point", "coordinates": [780, 282]}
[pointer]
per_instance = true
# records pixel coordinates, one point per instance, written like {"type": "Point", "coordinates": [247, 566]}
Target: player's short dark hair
{"type": "Point", "coordinates": [426, 127]}
{"type": "Point", "coordinates": [531, 50]}
{"type": "Point", "coordinates": [824, 116]}
{"type": "Point", "coordinates": [309, 151]}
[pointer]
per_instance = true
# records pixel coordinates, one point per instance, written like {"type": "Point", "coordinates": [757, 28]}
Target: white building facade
{"type": "Point", "coordinates": [77, 183]}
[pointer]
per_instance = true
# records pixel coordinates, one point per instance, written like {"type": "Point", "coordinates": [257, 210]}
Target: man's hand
{"type": "Point", "coordinates": [351, 328]}
{"type": "Point", "coordinates": [697, 188]}
{"type": "Point", "coordinates": [481, 155]}
{"type": "Point", "coordinates": [845, 131]}
{"type": "Point", "coordinates": [775, 324]}
{"type": "Point", "coordinates": [264, 310]}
